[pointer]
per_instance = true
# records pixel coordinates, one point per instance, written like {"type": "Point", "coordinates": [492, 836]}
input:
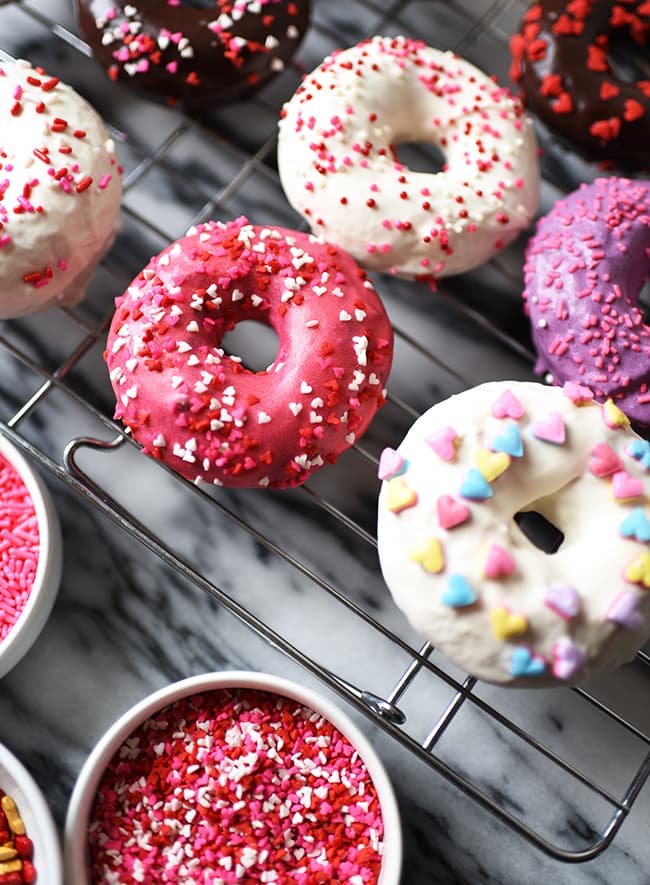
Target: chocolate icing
{"type": "Point", "coordinates": [561, 61]}
{"type": "Point", "coordinates": [200, 54]}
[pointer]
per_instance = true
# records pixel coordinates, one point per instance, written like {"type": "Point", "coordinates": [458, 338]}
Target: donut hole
{"type": "Point", "coordinates": [252, 343]}
{"type": "Point", "coordinates": [539, 530]}
{"type": "Point", "coordinates": [419, 156]}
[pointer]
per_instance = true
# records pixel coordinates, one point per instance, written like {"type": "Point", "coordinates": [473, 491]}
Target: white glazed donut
{"type": "Point", "coordinates": [339, 169]}
{"type": "Point", "coordinates": [465, 574]}
{"type": "Point", "coordinates": [60, 189]}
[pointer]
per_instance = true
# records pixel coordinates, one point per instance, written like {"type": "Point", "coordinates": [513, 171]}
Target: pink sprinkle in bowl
{"type": "Point", "coordinates": [47, 579]}
{"type": "Point", "coordinates": [76, 850]}
{"type": "Point", "coordinates": [18, 783]}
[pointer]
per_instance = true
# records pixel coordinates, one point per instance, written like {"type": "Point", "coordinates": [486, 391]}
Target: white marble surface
{"type": "Point", "coordinates": [125, 623]}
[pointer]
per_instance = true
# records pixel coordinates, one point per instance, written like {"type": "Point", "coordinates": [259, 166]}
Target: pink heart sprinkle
{"type": "Point", "coordinates": [442, 443]}
{"type": "Point", "coordinates": [577, 393]}
{"type": "Point", "coordinates": [604, 461]}
{"type": "Point", "coordinates": [567, 659]}
{"type": "Point", "coordinates": [551, 429]}
{"type": "Point", "coordinates": [625, 486]}
{"type": "Point", "coordinates": [564, 600]}
{"type": "Point", "coordinates": [507, 406]}
{"type": "Point", "coordinates": [498, 562]}
{"type": "Point", "coordinates": [451, 512]}
{"type": "Point", "coordinates": [390, 464]}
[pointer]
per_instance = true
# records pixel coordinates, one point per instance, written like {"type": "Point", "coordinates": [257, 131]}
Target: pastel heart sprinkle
{"type": "Point", "coordinates": [458, 593]}
{"type": "Point", "coordinates": [507, 406]}
{"type": "Point", "coordinates": [626, 487]}
{"type": "Point", "coordinates": [506, 624]}
{"type": "Point", "coordinates": [639, 449]}
{"type": "Point", "coordinates": [475, 486]}
{"type": "Point", "coordinates": [563, 599]}
{"type": "Point", "coordinates": [613, 417]}
{"type": "Point", "coordinates": [636, 525]}
{"type": "Point", "coordinates": [551, 429]}
{"type": "Point", "coordinates": [391, 464]}
{"type": "Point", "coordinates": [509, 441]}
{"type": "Point", "coordinates": [498, 563]}
{"type": "Point", "coordinates": [524, 663]}
{"type": "Point", "coordinates": [429, 555]}
{"type": "Point", "coordinates": [624, 611]}
{"type": "Point", "coordinates": [568, 660]}
{"type": "Point", "coordinates": [491, 464]}
{"type": "Point", "coordinates": [604, 461]}
{"type": "Point", "coordinates": [399, 495]}
{"type": "Point", "coordinates": [451, 512]}
{"type": "Point", "coordinates": [579, 395]}
{"type": "Point", "coordinates": [443, 442]}
{"type": "Point", "coordinates": [638, 571]}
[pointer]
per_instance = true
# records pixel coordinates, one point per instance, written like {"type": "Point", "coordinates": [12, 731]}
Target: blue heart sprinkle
{"type": "Point", "coordinates": [640, 450]}
{"type": "Point", "coordinates": [509, 442]}
{"type": "Point", "coordinates": [636, 525]}
{"type": "Point", "coordinates": [475, 485]}
{"type": "Point", "coordinates": [523, 663]}
{"type": "Point", "coordinates": [458, 593]}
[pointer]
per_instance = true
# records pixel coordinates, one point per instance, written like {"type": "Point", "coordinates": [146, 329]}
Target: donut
{"type": "Point", "coordinates": [584, 269]}
{"type": "Point", "coordinates": [201, 54]}
{"type": "Point", "coordinates": [60, 190]}
{"type": "Point", "coordinates": [339, 166]}
{"type": "Point", "coordinates": [198, 409]}
{"type": "Point", "coordinates": [561, 62]}
{"type": "Point", "coordinates": [474, 582]}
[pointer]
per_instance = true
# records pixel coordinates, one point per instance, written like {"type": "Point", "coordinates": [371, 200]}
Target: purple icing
{"type": "Point", "coordinates": [584, 270]}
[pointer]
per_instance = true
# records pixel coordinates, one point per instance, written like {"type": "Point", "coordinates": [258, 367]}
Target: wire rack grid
{"type": "Point", "coordinates": [179, 171]}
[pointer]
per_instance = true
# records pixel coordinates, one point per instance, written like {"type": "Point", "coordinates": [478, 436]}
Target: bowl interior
{"type": "Point", "coordinates": [77, 822]}
{"type": "Point", "coordinates": [18, 783]}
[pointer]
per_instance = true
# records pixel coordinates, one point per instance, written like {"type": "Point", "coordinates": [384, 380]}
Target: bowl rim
{"type": "Point", "coordinates": [76, 824]}
{"type": "Point", "coordinates": [46, 583]}
{"type": "Point", "coordinates": [44, 834]}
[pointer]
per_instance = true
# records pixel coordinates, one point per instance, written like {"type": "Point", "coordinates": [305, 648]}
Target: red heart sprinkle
{"type": "Point", "coordinates": [633, 110]}
{"type": "Point", "coordinates": [608, 90]}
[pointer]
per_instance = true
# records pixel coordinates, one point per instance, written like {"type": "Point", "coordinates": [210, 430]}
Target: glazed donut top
{"type": "Point", "coordinates": [584, 269]}
{"type": "Point", "coordinates": [198, 409]}
{"type": "Point", "coordinates": [560, 58]}
{"type": "Point", "coordinates": [60, 189]}
{"type": "Point", "coordinates": [466, 575]}
{"type": "Point", "coordinates": [338, 166]}
{"type": "Point", "coordinates": [216, 53]}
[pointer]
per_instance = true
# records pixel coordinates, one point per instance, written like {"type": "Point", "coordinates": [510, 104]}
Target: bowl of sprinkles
{"type": "Point", "coordinates": [29, 843]}
{"type": "Point", "coordinates": [30, 555]}
{"type": "Point", "coordinates": [228, 778]}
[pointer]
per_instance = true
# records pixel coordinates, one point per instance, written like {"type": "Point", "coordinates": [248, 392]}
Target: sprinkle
{"type": "Point", "coordinates": [429, 555]}
{"type": "Point", "coordinates": [507, 624]}
{"type": "Point", "coordinates": [391, 463]}
{"type": "Point", "coordinates": [444, 443]}
{"type": "Point", "coordinates": [563, 599]}
{"type": "Point", "coordinates": [550, 429]}
{"type": "Point", "coordinates": [459, 594]}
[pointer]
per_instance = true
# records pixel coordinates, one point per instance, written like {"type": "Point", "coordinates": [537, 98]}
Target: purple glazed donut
{"type": "Point", "coordinates": [585, 267]}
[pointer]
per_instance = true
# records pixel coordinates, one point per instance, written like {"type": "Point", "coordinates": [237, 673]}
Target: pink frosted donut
{"type": "Point", "coordinates": [585, 267]}
{"type": "Point", "coordinates": [198, 409]}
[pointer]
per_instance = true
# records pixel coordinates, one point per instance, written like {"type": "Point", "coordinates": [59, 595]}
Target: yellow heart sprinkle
{"type": "Point", "coordinates": [491, 464]}
{"type": "Point", "coordinates": [400, 495]}
{"type": "Point", "coordinates": [506, 624]}
{"type": "Point", "coordinates": [613, 415]}
{"type": "Point", "coordinates": [429, 555]}
{"type": "Point", "coordinates": [638, 571]}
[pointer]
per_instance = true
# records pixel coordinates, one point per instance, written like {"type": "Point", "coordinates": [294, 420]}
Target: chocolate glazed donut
{"type": "Point", "coordinates": [197, 53]}
{"type": "Point", "coordinates": [561, 61]}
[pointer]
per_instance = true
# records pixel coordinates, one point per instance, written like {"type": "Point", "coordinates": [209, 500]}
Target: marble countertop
{"type": "Point", "coordinates": [127, 622]}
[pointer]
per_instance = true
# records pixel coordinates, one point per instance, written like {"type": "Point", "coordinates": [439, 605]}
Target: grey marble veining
{"type": "Point", "coordinates": [125, 623]}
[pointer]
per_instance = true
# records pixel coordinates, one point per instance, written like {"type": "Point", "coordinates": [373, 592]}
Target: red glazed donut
{"type": "Point", "coordinates": [198, 409]}
{"type": "Point", "coordinates": [560, 59]}
{"type": "Point", "coordinates": [201, 56]}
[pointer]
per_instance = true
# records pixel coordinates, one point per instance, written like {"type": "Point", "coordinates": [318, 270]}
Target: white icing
{"type": "Point", "coordinates": [550, 479]}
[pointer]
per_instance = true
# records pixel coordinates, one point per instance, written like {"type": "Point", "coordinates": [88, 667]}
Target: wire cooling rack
{"type": "Point", "coordinates": [180, 171]}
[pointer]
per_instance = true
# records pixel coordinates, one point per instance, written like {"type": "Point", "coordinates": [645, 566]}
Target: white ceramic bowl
{"type": "Point", "coordinates": [18, 783]}
{"type": "Point", "coordinates": [48, 572]}
{"type": "Point", "coordinates": [77, 821]}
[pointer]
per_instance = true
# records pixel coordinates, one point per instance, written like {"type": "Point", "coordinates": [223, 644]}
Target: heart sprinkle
{"type": "Point", "coordinates": [506, 623]}
{"type": "Point", "coordinates": [613, 417]}
{"type": "Point", "coordinates": [444, 442]}
{"type": "Point", "coordinates": [498, 562]}
{"type": "Point", "coordinates": [579, 395]}
{"type": "Point", "coordinates": [509, 441]}
{"type": "Point", "coordinates": [604, 461]}
{"type": "Point", "coordinates": [391, 464]}
{"type": "Point", "coordinates": [400, 496]}
{"type": "Point", "coordinates": [458, 594]}
{"type": "Point", "coordinates": [639, 449]}
{"type": "Point", "coordinates": [451, 512]}
{"type": "Point", "coordinates": [475, 486]}
{"type": "Point", "coordinates": [429, 555]}
{"type": "Point", "coordinates": [624, 611]}
{"type": "Point", "coordinates": [551, 429]}
{"type": "Point", "coordinates": [508, 406]}
{"type": "Point", "coordinates": [638, 571]}
{"type": "Point", "coordinates": [564, 600]}
{"type": "Point", "coordinates": [636, 525]}
{"type": "Point", "coordinates": [491, 464]}
{"type": "Point", "coordinates": [568, 660]}
{"type": "Point", "coordinates": [524, 663]}
{"type": "Point", "coordinates": [625, 487]}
